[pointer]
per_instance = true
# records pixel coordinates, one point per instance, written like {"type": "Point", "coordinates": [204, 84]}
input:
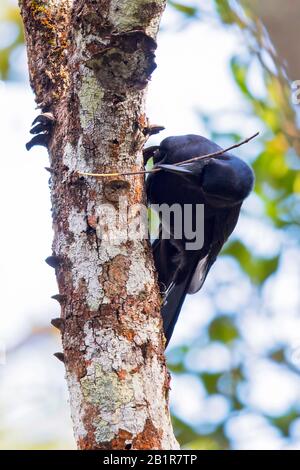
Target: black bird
{"type": "Point", "coordinates": [220, 183]}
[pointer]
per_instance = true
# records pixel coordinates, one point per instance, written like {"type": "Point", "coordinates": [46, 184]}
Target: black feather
{"type": "Point", "coordinates": [220, 183]}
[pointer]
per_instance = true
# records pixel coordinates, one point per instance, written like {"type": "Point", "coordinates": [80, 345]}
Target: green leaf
{"type": "Point", "coordinates": [185, 9]}
{"type": "Point", "coordinates": [177, 368]}
{"type": "Point", "coordinates": [284, 422]}
{"type": "Point", "coordinates": [11, 15]}
{"type": "Point", "coordinates": [224, 11]}
{"type": "Point", "coordinates": [257, 268]}
{"type": "Point", "coordinates": [210, 382]}
{"type": "Point", "coordinates": [183, 432]}
{"type": "Point", "coordinates": [278, 355]}
{"type": "Point", "coordinates": [223, 329]}
{"type": "Point", "coordinates": [202, 443]}
{"type": "Point", "coordinates": [240, 72]}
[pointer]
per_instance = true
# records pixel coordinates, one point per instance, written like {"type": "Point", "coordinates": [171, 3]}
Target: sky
{"type": "Point", "coordinates": [192, 76]}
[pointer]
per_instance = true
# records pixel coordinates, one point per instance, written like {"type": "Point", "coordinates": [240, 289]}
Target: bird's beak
{"type": "Point", "coordinates": [174, 168]}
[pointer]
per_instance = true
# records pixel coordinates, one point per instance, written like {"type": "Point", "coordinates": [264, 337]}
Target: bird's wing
{"type": "Point", "coordinates": [225, 222]}
{"type": "Point", "coordinates": [199, 275]}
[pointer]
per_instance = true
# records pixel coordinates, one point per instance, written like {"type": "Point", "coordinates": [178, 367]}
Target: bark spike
{"type": "Point", "coordinates": [153, 129]}
{"type": "Point", "coordinates": [61, 298]}
{"type": "Point", "coordinates": [53, 261]}
{"type": "Point", "coordinates": [58, 323]}
{"type": "Point", "coordinates": [60, 356]}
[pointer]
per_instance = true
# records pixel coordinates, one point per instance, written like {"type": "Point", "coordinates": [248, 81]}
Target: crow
{"type": "Point", "coordinates": [218, 184]}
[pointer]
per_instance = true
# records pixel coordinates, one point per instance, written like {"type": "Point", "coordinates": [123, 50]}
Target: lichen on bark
{"type": "Point", "coordinates": [90, 62]}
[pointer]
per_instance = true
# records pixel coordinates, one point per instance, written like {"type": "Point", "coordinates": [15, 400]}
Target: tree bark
{"type": "Point", "coordinates": [89, 65]}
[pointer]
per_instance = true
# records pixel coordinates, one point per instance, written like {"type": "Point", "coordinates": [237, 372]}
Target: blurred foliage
{"type": "Point", "coordinates": [258, 269]}
{"type": "Point", "coordinates": [11, 36]}
{"type": "Point", "coordinates": [187, 10]}
{"type": "Point", "coordinates": [277, 187]}
{"type": "Point", "coordinates": [222, 329]}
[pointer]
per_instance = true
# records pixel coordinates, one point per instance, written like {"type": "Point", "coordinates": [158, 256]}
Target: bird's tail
{"type": "Point", "coordinates": [171, 308]}
{"type": "Point", "coordinates": [173, 301]}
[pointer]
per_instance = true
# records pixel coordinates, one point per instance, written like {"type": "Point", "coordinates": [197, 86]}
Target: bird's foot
{"type": "Point", "coordinates": [42, 127]}
{"type": "Point", "coordinates": [167, 292]}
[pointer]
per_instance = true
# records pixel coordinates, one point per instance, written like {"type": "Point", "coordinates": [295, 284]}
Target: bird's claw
{"type": "Point", "coordinates": [167, 293]}
{"type": "Point", "coordinates": [42, 130]}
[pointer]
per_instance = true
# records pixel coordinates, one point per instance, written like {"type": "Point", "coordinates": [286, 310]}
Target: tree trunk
{"type": "Point", "coordinates": [89, 64]}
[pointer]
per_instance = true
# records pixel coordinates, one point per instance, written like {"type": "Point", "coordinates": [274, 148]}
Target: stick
{"type": "Point", "coordinates": [155, 170]}
{"type": "Point", "coordinates": [219, 152]}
